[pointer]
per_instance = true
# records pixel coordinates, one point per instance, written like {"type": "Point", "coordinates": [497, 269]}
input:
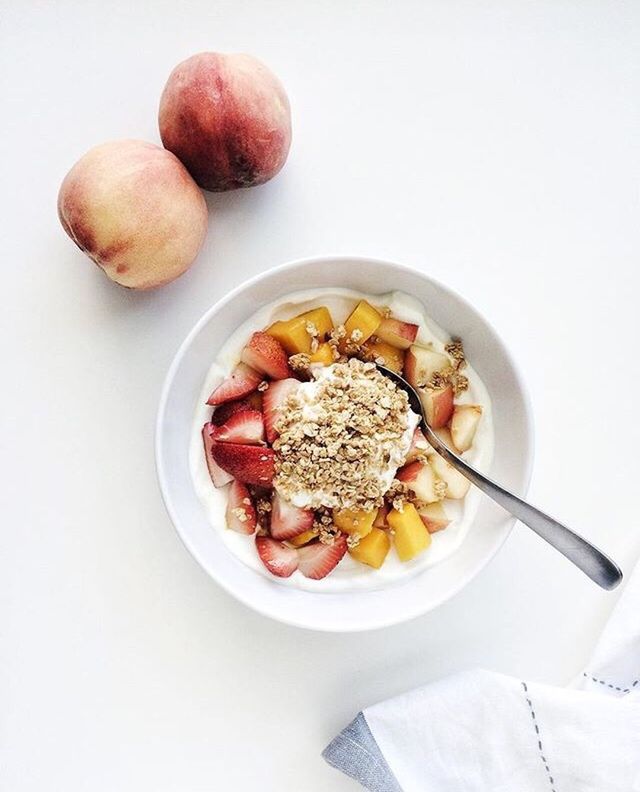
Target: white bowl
{"type": "Point", "coordinates": [359, 610]}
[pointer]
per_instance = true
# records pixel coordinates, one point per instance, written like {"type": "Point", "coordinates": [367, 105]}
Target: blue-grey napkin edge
{"type": "Point", "coordinates": [356, 753]}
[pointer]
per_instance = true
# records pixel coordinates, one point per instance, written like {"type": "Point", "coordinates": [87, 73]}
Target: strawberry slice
{"type": "Point", "coordinates": [254, 400]}
{"type": "Point", "coordinates": [288, 520]}
{"type": "Point", "coordinates": [222, 413]}
{"type": "Point", "coordinates": [317, 560]}
{"type": "Point", "coordinates": [241, 513]}
{"type": "Point", "coordinates": [245, 426]}
{"type": "Point", "coordinates": [280, 560]}
{"type": "Point", "coordinates": [242, 381]}
{"type": "Point", "coordinates": [263, 353]}
{"type": "Point", "coordinates": [273, 399]}
{"type": "Point", "coordinates": [250, 464]}
{"type": "Point", "coordinates": [219, 476]}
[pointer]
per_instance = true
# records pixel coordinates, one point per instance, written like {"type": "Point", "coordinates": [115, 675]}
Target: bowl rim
{"type": "Point", "coordinates": [162, 474]}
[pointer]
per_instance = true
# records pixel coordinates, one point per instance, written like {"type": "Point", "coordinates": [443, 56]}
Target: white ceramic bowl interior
{"type": "Point", "coordinates": [342, 611]}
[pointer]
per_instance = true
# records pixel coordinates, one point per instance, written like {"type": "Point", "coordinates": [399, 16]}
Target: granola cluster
{"type": "Point", "coordinates": [337, 449]}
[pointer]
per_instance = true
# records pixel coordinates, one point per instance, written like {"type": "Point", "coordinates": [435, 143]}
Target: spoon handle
{"type": "Point", "coordinates": [593, 562]}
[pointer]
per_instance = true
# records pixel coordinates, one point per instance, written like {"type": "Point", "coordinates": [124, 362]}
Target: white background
{"type": "Point", "coordinates": [495, 145]}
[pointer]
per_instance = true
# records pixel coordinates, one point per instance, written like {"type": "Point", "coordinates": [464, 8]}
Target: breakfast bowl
{"type": "Point", "coordinates": [368, 600]}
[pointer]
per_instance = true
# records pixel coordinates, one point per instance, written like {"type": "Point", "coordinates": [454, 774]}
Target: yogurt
{"type": "Point", "coordinates": [349, 575]}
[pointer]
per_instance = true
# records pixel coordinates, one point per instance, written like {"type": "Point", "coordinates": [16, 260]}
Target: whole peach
{"type": "Point", "coordinates": [227, 118]}
{"type": "Point", "coordinates": [132, 207]}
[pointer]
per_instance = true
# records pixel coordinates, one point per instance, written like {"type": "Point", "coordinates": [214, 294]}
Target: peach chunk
{"type": "Point", "coordinates": [419, 446]}
{"type": "Point", "coordinates": [420, 364]}
{"type": "Point", "coordinates": [323, 354]}
{"type": "Point", "coordinates": [438, 405]}
{"type": "Point", "coordinates": [420, 479]}
{"type": "Point", "coordinates": [457, 484]}
{"type": "Point", "coordinates": [411, 536]}
{"type": "Point", "coordinates": [386, 355]}
{"type": "Point", "coordinates": [354, 522]}
{"type": "Point", "coordinates": [445, 436]}
{"type": "Point", "coordinates": [372, 549]}
{"type": "Point", "coordinates": [227, 118]}
{"type": "Point", "coordinates": [398, 334]}
{"type": "Point", "coordinates": [464, 424]}
{"type": "Point", "coordinates": [132, 207]}
{"type": "Point", "coordinates": [434, 517]}
{"type": "Point", "coordinates": [303, 538]}
{"type": "Point", "coordinates": [362, 323]}
{"type": "Point", "coordinates": [294, 334]}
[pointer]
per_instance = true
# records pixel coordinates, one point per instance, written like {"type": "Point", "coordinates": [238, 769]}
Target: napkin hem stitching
{"type": "Point", "coordinates": [539, 736]}
{"type": "Point", "coordinates": [609, 685]}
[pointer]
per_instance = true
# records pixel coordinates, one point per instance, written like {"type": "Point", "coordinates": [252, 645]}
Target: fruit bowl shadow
{"type": "Point", "coordinates": [355, 610]}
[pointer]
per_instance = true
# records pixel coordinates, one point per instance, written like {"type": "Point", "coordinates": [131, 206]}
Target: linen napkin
{"type": "Point", "coordinates": [479, 731]}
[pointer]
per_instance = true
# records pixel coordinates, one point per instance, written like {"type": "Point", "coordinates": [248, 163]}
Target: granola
{"type": "Point", "coordinates": [336, 450]}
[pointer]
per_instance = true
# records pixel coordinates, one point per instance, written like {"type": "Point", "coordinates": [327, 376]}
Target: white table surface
{"type": "Point", "coordinates": [496, 145]}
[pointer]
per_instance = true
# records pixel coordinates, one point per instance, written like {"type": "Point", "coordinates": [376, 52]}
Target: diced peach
{"type": "Point", "coordinates": [445, 436]}
{"type": "Point", "coordinates": [373, 549]}
{"type": "Point", "coordinates": [303, 538]}
{"type": "Point", "coordinates": [392, 356]}
{"type": "Point", "coordinates": [422, 447]}
{"type": "Point", "coordinates": [354, 522]}
{"type": "Point", "coordinates": [282, 332]}
{"type": "Point", "coordinates": [421, 480]}
{"type": "Point", "coordinates": [398, 334]}
{"type": "Point", "coordinates": [293, 333]}
{"type": "Point", "coordinates": [420, 364]}
{"type": "Point", "coordinates": [381, 517]}
{"type": "Point", "coordinates": [364, 321]}
{"type": "Point", "coordinates": [434, 517]}
{"type": "Point", "coordinates": [411, 536]}
{"type": "Point", "coordinates": [321, 319]}
{"type": "Point", "coordinates": [464, 423]}
{"type": "Point", "coordinates": [457, 484]}
{"type": "Point", "coordinates": [323, 354]}
{"type": "Point", "coordinates": [438, 405]}
{"type": "Point", "coordinates": [419, 446]}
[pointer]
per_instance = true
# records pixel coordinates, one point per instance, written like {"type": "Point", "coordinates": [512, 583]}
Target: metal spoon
{"type": "Point", "coordinates": [593, 562]}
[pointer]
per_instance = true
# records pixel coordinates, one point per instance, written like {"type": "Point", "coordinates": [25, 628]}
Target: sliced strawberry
{"type": "Point", "coordinates": [254, 400]}
{"type": "Point", "coordinates": [248, 463]}
{"type": "Point", "coordinates": [241, 513]}
{"type": "Point", "coordinates": [242, 381]}
{"type": "Point", "coordinates": [288, 520]}
{"type": "Point", "coordinates": [272, 401]}
{"type": "Point", "coordinates": [258, 491]}
{"type": "Point", "coordinates": [317, 560]}
{"type": "Point", "coordinates": [280, 560]}
{"type": "Point", "coordinates": [222, 413]}
{"type": "Point", "coordinates": [246, 426]}
{"type": "Point", "coordinates": [219, 476]}
{"type": "Point", "coordinates": [265, 354]}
